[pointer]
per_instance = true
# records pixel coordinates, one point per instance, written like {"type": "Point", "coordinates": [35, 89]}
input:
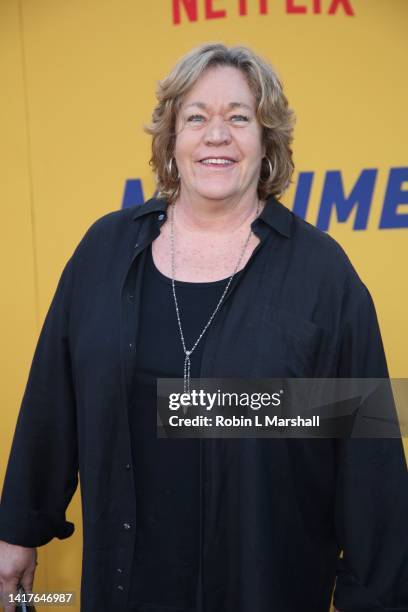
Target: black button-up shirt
{"type": "Point", "coordinates": [276, 513]}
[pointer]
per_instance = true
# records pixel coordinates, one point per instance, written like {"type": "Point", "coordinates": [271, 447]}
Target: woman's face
{"type": "Point", "coordinates": [218, 147]}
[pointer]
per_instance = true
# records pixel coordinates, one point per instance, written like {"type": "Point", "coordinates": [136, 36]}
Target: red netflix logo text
{"type": "Point", "coordinates": [188, 9]}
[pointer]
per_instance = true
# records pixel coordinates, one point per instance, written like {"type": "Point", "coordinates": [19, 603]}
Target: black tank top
{"type": "Point", "coordinates": [166, 559]}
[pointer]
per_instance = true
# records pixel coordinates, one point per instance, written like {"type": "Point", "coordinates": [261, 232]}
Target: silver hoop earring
{"type": "Point", "coordinates": [270, 169]}
{"type": "Point", "coordinates": [170, 168]}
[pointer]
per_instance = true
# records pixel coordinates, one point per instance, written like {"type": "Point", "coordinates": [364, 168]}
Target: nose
{"type": "Point", "coordinates": [217, 132]}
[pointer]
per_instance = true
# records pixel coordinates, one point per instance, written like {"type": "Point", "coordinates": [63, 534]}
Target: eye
{"type": "Point", "coordinates": [195, 118]}
{"type": "Point", "coordinates": [240, 118]}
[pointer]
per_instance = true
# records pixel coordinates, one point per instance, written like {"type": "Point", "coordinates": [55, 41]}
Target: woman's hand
{"type": "Point", "coordinates": [17, 566]}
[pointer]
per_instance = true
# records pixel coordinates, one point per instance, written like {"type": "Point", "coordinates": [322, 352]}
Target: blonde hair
{"type": "Point", "coordinates": [272, 111]}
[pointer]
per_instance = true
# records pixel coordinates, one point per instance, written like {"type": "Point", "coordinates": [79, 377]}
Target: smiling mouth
{"type": "Point", "coordinates": [217, 162]}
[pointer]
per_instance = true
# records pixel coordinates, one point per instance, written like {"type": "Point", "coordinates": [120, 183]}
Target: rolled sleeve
{"type": "Point", "coordinates": [42, 470]}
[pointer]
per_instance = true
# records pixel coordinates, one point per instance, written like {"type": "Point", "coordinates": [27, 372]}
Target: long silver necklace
{"type": "Point", "coordinates": [187, 353]}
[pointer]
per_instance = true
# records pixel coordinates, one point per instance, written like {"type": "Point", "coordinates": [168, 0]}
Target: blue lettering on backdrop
{"type": "Point", "coordinates": [302, 195]}
{"type": "Point", "coordinates": [333, 196]}
{"type": "Point", "coordinates": [394, 196]}
{"type": "Point", "coordinates": [133, 193]}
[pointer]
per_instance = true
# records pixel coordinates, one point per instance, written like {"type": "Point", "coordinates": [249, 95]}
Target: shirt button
{"type": "Point", "coordinates": [131, 296]}
{"type": "Point", "coordinates": [136, 245]}
{"type": "Point", "coordinates": [127, 466]}
{"type": "Point", "coordinates": [126, 525]}
{"type": "Point", "coordinates": [120, 587]}
{"type": "Point", "coordinates": [131, 345]}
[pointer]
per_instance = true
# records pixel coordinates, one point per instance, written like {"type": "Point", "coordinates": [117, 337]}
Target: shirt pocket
{"type": "Point", "coordinates": [288, 345]}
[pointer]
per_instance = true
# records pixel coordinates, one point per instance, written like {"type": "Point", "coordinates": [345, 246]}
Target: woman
{"type": "Point", "coordinates": [211, 278]}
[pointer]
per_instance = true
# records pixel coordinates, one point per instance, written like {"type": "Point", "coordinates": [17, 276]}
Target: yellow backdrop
{"type": "Point", "coordinates": [78, 81]}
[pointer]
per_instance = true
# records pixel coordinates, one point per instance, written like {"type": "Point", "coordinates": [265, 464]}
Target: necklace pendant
{"type": "Point", "coordinates": [187, 366]}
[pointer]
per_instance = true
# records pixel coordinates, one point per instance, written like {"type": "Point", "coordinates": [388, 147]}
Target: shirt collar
{"type": "Point", "coordinates": [274, 214]}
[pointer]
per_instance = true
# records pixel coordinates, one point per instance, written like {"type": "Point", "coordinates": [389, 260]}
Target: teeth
{"type": "Point", "coordinates": [217, 161]}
